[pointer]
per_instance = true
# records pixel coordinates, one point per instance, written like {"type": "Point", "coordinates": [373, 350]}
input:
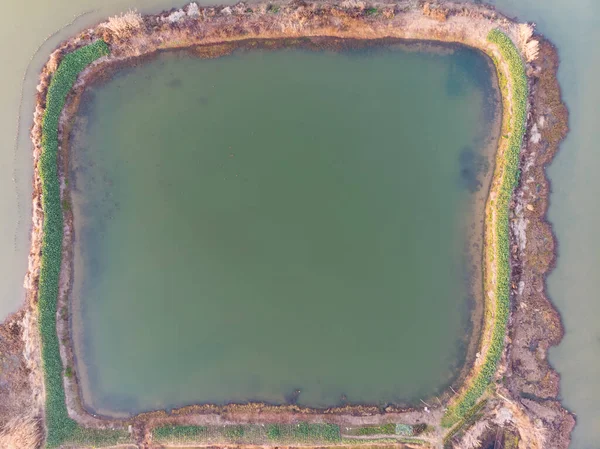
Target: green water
{"type": "Point", "coordinates": [277, 221]}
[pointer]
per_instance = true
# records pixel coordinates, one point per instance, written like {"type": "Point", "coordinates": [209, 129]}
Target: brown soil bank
{"type": "Point", "coordinates": [521, 407]}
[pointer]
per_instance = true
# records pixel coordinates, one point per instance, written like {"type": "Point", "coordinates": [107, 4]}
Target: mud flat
{"type": "Point", "coordinates": [512, 400]}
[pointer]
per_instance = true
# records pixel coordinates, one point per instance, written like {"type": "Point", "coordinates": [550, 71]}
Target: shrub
{"type": "Point", "coordinates": [420, 428]}
{"type": "Point", "coordinates": [404, 429]}
{"type": "Point", "coordinates": [509, 166]}
{"type": "Point", "coordinates": [59, 426]}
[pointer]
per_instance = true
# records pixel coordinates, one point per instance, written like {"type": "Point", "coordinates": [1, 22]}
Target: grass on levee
{"type": "Point", "coordinates": [178, 433]}
{"type": "Point", "coordinates": [384, 429]}
{"type": "Point", "coordinates": [60, 428]}
{"type": "Point", "coordinates": [509, 166]}
{"type": "Point", "coordinates": [303, 432]}
{"type": "Point", "coordinates": [324, 434]}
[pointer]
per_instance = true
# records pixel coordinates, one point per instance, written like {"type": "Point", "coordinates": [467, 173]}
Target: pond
{"type": "Point", "coordinates": [279, 226]}
{"type": "Point", "coordinates": [571, 25]}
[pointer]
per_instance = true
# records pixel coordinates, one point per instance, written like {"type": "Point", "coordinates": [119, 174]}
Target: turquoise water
{"type": "Point", "coordinates": [272, 222]}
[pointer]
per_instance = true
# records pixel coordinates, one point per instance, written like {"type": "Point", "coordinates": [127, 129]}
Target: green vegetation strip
{"type": "Point", "coordinates": [392, 440]}
{"type": "Point", "coordinates": [510, 177]}
{"type": "Point", "coordinates": [178, 433]}
{"type": "Point", "coordinates": [60, 428]}
{"type": "Point", "coordinates": [385, 429]}
{"type": "Point", "coordinates": [302, 432]}
{"type": "Point", "coordinates": [97, 437]}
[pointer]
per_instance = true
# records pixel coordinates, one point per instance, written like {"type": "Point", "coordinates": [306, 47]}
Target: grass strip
{"type": "Point", "coordinates": [385, 429]}
{"type": "Point", "coordinates": [392, 440]}
{"type": "Point", "coordinates": [303, 432]}
{"type": "Point", "coordinates": [315, 432]}
{"type": "Point", "coordinates": [169, 434]}
{"type": "Point", "coordinates": [60, 427]}
{"type": "Point", "coordinates": [509, 167]}
{"type": "Point", "coordinates": [98, 437]}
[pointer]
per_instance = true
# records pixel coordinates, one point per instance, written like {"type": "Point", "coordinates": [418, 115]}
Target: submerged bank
{"type": "Point", "coordinates": [193, 26]}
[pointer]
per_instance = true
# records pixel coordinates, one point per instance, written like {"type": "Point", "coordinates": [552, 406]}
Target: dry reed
{"type": "Point", "coordinates": [529, 47]}
{"type": "Point", "coordinates": [472, 437]}
{"type": "Point", "coordinates": [21, 432]}
{"type": "Point", "coordinates": [124, 25]}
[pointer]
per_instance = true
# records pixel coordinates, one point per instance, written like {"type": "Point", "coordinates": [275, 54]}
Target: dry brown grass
{"type": "Point", "coordinates": [530, 48]}
{"type": "Point", "coordinates": [124, 25]}
{"type": "Point", "coordinates": [472, 437]}
{"type": "Point", "coordinates": [21, 432]}
{"type": "Point", "coordinates": [435, 12]}
{"type": "Point", "coordinates": [525, 32]}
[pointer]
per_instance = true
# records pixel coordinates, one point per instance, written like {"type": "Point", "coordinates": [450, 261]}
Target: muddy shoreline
{"type": "Point", "coordinates": [526, 385]}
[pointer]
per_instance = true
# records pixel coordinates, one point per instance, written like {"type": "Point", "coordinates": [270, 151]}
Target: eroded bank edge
{"type": "Point", "coordinates": [361, 35]}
